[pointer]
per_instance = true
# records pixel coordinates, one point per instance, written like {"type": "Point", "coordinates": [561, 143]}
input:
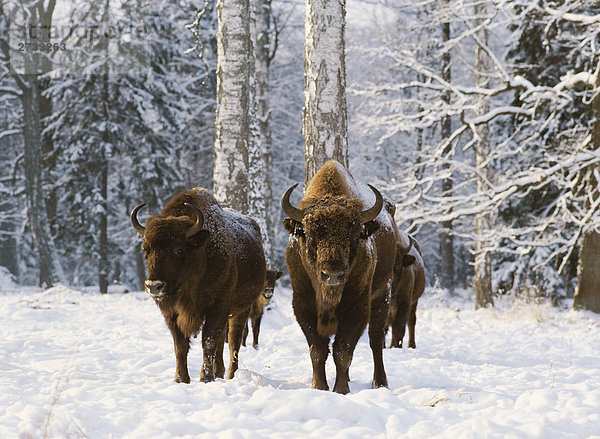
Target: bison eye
{"type": "Point", "coordinates": [179, 251]}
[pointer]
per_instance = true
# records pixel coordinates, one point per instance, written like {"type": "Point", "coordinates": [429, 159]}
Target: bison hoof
{"type": "Point", "coordinates": [255, 346]}
{"type": "Point", "coordinates": [182, 379]}
{"type": "Point", "coordinates": [319, 386]}
{"type": "Point", "coordinates": [342, 388]}
{"type": "Point", "coordinates": [206, 378]}
{"type": "Point", "coordinates": [377, 385]}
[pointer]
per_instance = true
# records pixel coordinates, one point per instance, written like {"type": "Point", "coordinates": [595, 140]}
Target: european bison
{"type": "Point", "coordinates": [340, 257]}
{"type": "Point", "coordinates": [407, 287]}
{"type": "Point", "coordinates": [205, 264]}
{"type": "Point", "coordinates": [256, 312]}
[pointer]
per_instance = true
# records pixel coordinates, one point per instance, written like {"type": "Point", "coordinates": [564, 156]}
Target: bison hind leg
{"type": "Point", "coordinates": [236, 328]}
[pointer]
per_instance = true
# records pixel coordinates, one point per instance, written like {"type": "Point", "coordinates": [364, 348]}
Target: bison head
{"type": "Point", "coordinates": [329, 230]}
{"type": "Point", "coordinates": [169, 245]}
{"type": "Point", "coordinates": [272, 276]}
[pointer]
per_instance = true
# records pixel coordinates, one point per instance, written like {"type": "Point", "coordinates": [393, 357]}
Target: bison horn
{"type": "Point", "coordinates": [291, 211]}
{"type": "Point", "coordinates": [134, 221]}
{"type": "Point", "coordinates": [370, 214]}
{"type": "Point", "coordinates": [199, 221]}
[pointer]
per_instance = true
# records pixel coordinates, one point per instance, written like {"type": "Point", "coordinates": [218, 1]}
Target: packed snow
{"type": "Point", "coordinates": [79, 364]}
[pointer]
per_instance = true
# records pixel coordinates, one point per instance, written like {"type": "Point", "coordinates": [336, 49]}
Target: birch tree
{"type": "Point", "coordinates": [264, 50]}
{"type": "Point", "coordinates": [232, 125]}
{"type": "Point", "coordinates": [325, 125]}
{"type": "Point", "coordinates": [483, 264]}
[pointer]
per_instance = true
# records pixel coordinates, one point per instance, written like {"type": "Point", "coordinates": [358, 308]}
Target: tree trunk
{"type": "Point", "coordinates": [49, 264]}
{"type": "Point", "coordinates": [446, 236]}
{"type": "Point", "coordinates": [263, 56]}
{"type": "Point", "coordinates": [256, 199]}
{"type": "Point", "coordinates": [483, 269]}
{"type": "Point", "coordinates": [232, 126]}
{"type": "Point", "coordinates": [39, 16]}
{"type": "Point", "coordinates": [587, 295]}
{"type": "Point", "coordinates": [325, 125]}
{"type": "Point", "coordinates": [103, 266]}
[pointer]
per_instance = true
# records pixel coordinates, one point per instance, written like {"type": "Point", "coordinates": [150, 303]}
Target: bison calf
{"type": "Point", "coordinates": [407, 286]}
{"type": "Point", "coordinates": [256, 312]}
{"type": "Point", "coordinates": [206, 265]}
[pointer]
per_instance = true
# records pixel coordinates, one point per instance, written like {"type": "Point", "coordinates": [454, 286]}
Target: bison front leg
{"type": "Point", "coordinates": [343, 351]}
{"type": "Point", "coordinates": [353, 315]}
{"type": "Point", "coordinates": [318, 345]}
{"type": "Point", "coordinates": [212, 345]}
{"type": "Point", "coordinates": [319, 351]}
{"type": "Point", "coordinates": [182, 347]}
{"type": "Point", "coordinates": [379, 310]}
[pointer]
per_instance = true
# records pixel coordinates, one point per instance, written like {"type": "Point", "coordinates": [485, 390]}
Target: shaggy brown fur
{"type": "Point", "coordinates": [407, 287]}
{"type": "Point", "coordinates": [198, 281]}
{"type": "Point", "coordinates": [331, 243]}
{"type": "Point", "coordinates": [258, 307]}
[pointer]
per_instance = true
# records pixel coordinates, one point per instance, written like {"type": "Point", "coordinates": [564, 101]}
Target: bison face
{"type": "Point", "coordinates": [331, 239]}
{"type": "Point", "coordinates": [329, 232]}
{"type": "Point", "coordinates": [169, 248]}
{"type": "Point", "coordinates": [270, 279]}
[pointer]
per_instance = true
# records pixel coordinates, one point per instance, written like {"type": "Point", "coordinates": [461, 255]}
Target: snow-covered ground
{"type": "Point", "coordinates": [76, 364]}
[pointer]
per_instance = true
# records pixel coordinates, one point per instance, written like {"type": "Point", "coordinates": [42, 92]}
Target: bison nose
{"type": "Point", "coordinates": [156, 288]}
{"type": "Point", "coordinates": [332, 277]}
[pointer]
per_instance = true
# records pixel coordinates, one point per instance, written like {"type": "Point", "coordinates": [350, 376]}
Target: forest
{"type": "Point", "coordinates": [479, 119]}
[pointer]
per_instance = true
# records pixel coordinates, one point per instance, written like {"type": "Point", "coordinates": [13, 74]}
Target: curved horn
{"type": "Point", "coordinates": [199, 221]}
{"type": "Point", "coordinates": [370, 214]}
{"type": "Point", "coordinates": [134, 221]}
{"type": "Point", "coordinates": [291, 211]}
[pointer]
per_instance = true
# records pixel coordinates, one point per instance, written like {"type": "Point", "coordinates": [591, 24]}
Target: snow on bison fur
{"type": "Point", "coordinates": [206, 267]}
{"type": "Point", "coordinates": [340, 257]}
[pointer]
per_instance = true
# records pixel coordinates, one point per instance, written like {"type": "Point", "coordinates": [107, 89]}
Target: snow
{"type": "Point", "coordinates": [76, 364]}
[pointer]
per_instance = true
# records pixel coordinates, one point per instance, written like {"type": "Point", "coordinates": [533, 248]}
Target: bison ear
{"type": "Point", "coordinates": [293, 227]}
{"type": "Point", "coordinates": [408, 260]}
{"type": "Point", "coordinates": [369, 228]}
{"type": "Point", "coordinates": [199, 238]}
{"type": "Point", "coordinates": [278, 275]}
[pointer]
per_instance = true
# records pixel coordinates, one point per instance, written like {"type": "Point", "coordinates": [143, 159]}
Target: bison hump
{"type": "Point", "coordinates": [331, 179]}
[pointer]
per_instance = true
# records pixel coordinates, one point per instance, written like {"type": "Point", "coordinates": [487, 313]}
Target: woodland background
{"type": "Point", "coordinates": [478, 118]}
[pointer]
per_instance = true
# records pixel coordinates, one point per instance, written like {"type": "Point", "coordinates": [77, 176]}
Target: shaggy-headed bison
{"type": "Point", "coordinates": [340, 257]}
{"type": "Point", "coordinates": [206, 265]}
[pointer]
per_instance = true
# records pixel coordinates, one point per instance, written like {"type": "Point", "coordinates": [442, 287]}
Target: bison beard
{"type": "Point", "coordinates": [206, 267]}
{"type": "Point", "coordinates": [340, 258]}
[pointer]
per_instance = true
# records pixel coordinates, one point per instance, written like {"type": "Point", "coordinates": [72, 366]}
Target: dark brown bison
{"type": "Point", "coordinates": [205, 266]}
{"type": "Point", "coordinates": [340, 258]}
{"type": "Point", "coordinates": [407, 287]}
{"type": "Point", "coordinates": [256, 312]}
